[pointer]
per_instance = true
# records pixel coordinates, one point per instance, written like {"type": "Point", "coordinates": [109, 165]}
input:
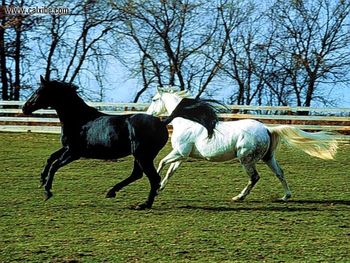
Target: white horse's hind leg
{"type": "Point", "coordinates": [254, 178]}
{"type": "Point", "coordinates": [274, 166]}
{"type": "Point", "coordinates": [173, 167]}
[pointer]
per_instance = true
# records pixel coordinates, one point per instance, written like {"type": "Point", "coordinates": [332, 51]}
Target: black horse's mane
{"type": "Point", "coordinates": [199, 110]}
{"type": "Point", "coordinates": [62, 84]}
{"type": "Point", "coordinates": [70, 91]}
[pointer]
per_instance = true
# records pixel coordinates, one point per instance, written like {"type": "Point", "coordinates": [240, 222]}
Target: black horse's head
{"type": "Point", "coordinates": [50, 94]}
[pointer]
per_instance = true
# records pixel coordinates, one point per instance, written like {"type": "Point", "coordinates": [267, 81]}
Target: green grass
{"type": "Point", "coordinates": [192, 220]}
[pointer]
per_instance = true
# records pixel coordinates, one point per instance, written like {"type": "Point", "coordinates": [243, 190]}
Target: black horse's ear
{"type": "Point", "coordinates": [73, 86]}
{"type": "Point", "coordinates": [42, 80]}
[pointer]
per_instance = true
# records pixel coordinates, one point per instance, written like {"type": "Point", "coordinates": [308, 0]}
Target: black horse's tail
{"type": "Point", "coordinates": [198, 110]}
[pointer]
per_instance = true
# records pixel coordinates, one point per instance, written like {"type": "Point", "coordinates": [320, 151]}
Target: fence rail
{"type": "Point", "coordinates": [46, 121]}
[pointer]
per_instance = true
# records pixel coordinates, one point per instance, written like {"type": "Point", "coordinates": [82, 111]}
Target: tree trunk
{"type": "Point", "coordinates": [54, 43]}
{"type": "Point", "coordinates": [144, 79]}
{"type": "Point", "coordinates": [3, 68]}
{"type": "Point", "coordinates": [309, 94]}
{"type": "Point", "coordinates": [17, 59]}
{"type": "Point", "coordinates": [310, 90]}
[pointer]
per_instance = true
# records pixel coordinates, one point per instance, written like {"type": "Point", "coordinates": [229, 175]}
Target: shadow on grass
{"type": "Point", "coordinates": [322, 202]}
{"type": "Point", "coordinates": [290, 206]}
{"type": "Point", "coordinates": [252, 205]}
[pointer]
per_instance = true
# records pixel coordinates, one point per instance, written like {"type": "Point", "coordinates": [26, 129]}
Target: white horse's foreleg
{"type": "Point", "coordinates": [173, 167]}
{"type": "Point", "coordinates": [274, 166]}
{"type": "Point", "coordinates": [160, 166]}
{"type": "Point", "coordinates": [254, 178]}
{"type": "Point", "coordinates": [173, 156]}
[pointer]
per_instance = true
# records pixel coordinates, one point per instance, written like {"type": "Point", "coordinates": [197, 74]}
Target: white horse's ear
{"type": "Point", "coordinates": [160, 89]}
{"type": "Point", "coordinates": [170, 89]}
{"type": "Point", "coordinates": [173, 89]}
{"type": "Point", "coordinates": [183, 93]}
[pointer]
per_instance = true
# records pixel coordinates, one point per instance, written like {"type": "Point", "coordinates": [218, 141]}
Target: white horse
{"type": "Point", "coordinates": [248, 140]}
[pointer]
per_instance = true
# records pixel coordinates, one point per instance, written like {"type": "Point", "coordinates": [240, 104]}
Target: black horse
{"type": "Point", "coordinates": [88, 133]}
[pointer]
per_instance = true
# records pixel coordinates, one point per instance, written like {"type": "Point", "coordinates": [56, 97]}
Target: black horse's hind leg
{"type": "Point", "coordinates": [145, 145]}
{"type": "Point", "coordinates": [154, 180]}
{"type": "Point", "coordinates": [53, 157]}
{"type": "Point", "coordinates": [135, 175]}
{"type": "Point", "coordinates": [66, 158]}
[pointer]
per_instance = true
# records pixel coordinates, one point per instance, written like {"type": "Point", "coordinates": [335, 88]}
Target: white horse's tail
{"type": "Point", "coordinates": [319, 144]}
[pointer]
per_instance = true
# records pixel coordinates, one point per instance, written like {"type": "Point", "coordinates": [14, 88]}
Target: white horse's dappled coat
{"type": "Point", "coordinates": [192, 140]}
{"type": "Point", "coordinates": [248, 140]}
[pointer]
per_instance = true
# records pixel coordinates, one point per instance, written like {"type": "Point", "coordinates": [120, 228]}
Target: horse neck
{"type": "Point", "coordinates": [75, 112]}
{"type": "Point", "coordinates": [171, 101]}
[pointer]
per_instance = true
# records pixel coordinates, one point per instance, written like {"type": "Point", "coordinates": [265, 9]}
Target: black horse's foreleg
{"type": "Point", "coordinates": [66, 158]}
{"type": "Point", "coordinates": [135, 175]}
{"type": "Point", "coordinates": [154, 180]}
{"type": "Point", "coordinates": [53, 157]}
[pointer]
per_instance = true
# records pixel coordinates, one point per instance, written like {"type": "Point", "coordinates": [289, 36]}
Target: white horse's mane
{"type": "Point", "coordinates": [174, 90]}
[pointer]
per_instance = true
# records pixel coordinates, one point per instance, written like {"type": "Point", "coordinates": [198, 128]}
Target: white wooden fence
{"type": "Point", "coordinates": [46, 121]}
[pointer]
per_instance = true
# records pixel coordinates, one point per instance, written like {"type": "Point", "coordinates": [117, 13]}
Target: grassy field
{"type": "Point", "coordinates": [192, 220]}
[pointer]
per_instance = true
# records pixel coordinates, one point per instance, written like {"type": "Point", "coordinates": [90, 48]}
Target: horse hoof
{"type": "Point", "coordinates": [284, 199]}
{"type": "Point", "coordinates": [237, 199]}
{"type": "Point", "coordinates": [143, 206]}
{"type": "Point", "coordinates": [47, 195]}
{"type": "Point", "coordinates": [110, 194]}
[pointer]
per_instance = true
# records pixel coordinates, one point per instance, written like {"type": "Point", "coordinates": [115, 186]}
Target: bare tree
{"type": "Point", "coordinates": [14, 46]}
{"type": "Point", "coordinates": [246, 62]}
{"type": "Point", "coordinates": [77, 44]}
{"type": "Point", "coordinates": [95, 24]}
{"type": "Point", "coordinates": [3, 64]}
{"type": "Point", "coordinates": [61, 46]}
{"type": "Point", "coordinates": [285, 54]}
{"type": "Point", "coordinates": [312, 44]}
{"type": "Point", "coordinates": [177, 42]}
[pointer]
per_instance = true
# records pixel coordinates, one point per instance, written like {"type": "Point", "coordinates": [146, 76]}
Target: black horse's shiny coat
{"type": "Point", "coordinates": [88, 133]}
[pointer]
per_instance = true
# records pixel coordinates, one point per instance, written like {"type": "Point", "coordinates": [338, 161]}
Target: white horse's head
{"type": "Point", "coordinates": [158, 105]}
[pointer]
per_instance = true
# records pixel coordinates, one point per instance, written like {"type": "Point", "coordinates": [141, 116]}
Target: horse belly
{"type": "Point", "coordinates": [215, 151]}
{"type": "Point", "coordinates": [221, 157]}
{"type": "Point", "coordinates": [106, 143]}
{"type": "Point", "coordinates": [102, 152]}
